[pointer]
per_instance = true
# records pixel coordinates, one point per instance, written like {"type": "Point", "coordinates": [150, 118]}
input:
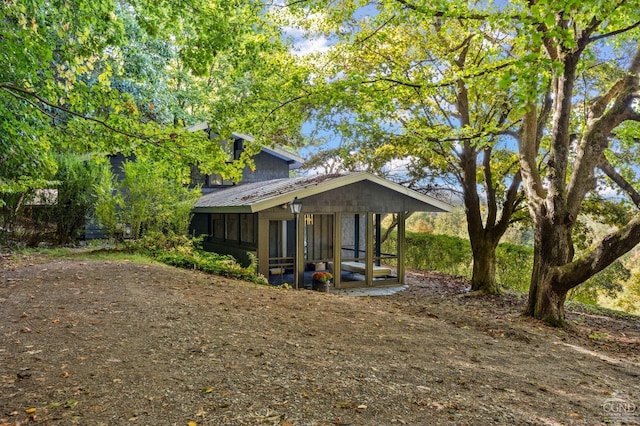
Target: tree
{"type": "Point", "coordinates": [112, 76]}
{"type": "Point", "coordinates": [584, 150]}
{"type": "Point", "coordinates": [102, 77]}
{"type": "Point", "coordinates": [564, 77]}
{"type": "Point", "coordinates": [403, 83]}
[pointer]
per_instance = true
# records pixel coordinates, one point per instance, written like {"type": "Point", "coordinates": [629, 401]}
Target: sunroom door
{"type": "Point", "coordinates": [318, 244]}
{"type": "Point", "coordinates": [281, 251]}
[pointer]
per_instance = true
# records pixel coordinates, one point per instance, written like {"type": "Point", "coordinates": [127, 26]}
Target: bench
{"type": "Point", "coordinates": [360, 268]}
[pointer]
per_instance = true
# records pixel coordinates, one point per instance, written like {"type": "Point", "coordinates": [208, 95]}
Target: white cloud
{"type": "Point", "coordinates": [304, 47]}
{"type": "Point", "coordinates": [397, 167]}
{"type": "Point", "coordinates": [305, 32]}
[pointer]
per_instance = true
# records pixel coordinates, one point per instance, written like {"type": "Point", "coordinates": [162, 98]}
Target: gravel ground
{"type": "Point", "coordinates": [97, 342]}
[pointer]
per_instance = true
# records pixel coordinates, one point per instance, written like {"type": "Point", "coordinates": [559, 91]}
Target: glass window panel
{"type": "Point", "coordinates": [232, 227]}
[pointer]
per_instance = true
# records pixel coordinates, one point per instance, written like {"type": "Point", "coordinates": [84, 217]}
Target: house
{"type": "Point", "coordinates": [270, 163]}
{"type": "Point", "coordinates": [338, 228]}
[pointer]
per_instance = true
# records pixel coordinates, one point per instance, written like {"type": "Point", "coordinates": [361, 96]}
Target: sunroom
{"type": "Point", "coordinates": [296, 227]}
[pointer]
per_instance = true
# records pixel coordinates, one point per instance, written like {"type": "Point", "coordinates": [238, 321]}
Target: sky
{"type": "Point", "coordinates": [305, 45]}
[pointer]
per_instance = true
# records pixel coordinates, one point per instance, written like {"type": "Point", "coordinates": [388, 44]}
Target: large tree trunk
{"type": "Point", "coordinates": [555, 273]}
{"type": "Point", "coordinates": [553, 248]}
{"type": "Point", "coordinates": [484, 265]}
{"type": "Point", "coordinates": [546, 301]}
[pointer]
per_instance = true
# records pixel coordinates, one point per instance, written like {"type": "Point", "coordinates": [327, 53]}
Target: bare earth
{"type": "Point", "coordinates": [119, 343]}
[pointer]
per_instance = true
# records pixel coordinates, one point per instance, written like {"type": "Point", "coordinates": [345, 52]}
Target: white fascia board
{"type": "Point", "coordinates": [344, 181]}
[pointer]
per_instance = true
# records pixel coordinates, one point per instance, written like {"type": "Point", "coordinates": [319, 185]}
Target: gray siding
{"type": "Point", "coordinates": [267, 167]}
{"type": "Point", "coordinates": [361, 197]}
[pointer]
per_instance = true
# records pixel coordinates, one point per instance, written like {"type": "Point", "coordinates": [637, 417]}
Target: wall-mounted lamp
{"type": "Point", "coordinates": [296, 206]}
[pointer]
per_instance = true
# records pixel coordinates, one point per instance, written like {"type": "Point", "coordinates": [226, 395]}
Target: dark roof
{"type": "Point", "coordinates": [258, 196]}
{"type": "Point", "coordinates": [294, 161]}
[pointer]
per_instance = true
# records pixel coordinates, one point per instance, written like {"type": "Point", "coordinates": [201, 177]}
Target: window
{"type": "Point", "coordinates": [197, 178]}
{"type": "Point", "coordinates": [232, 227]}
{"type": "Point", "coordinates": [227, 148]}
{"type": "Point", "coordinates": [217, 180]}
{"type": "Point", "coordinates": [217, 226]}
{"type": "Point", "coordinates": [247, 228]}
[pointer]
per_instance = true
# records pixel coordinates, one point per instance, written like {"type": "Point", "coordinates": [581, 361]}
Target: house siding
{"type": "Point", "coordinates": [267, 167]}
{"type": "Point", "coordinates": [361, 197]}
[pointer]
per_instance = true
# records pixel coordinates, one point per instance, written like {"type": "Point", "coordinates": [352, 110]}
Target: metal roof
{"type": "Point", "coordinates": [258, 196]}
{"type": "Point", "coordinates": [294, 161]}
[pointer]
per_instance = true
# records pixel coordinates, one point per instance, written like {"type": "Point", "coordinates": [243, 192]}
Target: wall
{"type": "Point", "coordinates": [267, 167]}
{"type": "Point", "coordinates": [361, 197]}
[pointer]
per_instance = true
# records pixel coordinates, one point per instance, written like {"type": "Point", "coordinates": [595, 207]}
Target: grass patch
{"type": "Point", "coordinates": [582, 308]}
{"type": "Point", "coordinates": [172, 250]}
{"type": "Point", "coordinates": [105, 253]}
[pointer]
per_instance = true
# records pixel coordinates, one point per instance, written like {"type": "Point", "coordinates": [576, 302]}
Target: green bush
{"type": "Point", "coordinates": [149, 197]}
{"type": "Point", "coordinates": [513, 266]}
{"type": "Point", "coordinates": [182, 252]}
{"type": "Point", "coordinates": [452, 255]}
{"type": "Point", "coordinates": [514, 263]}
{"type": "Point", "coordinates": [77, 177]}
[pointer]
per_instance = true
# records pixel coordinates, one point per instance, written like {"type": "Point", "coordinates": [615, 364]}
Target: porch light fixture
{"type": "Point", "coordinates": [295, 206]}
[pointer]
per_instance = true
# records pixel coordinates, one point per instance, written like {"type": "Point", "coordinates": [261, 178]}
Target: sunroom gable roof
{"type": "Point", "coordinates": [259, 196]}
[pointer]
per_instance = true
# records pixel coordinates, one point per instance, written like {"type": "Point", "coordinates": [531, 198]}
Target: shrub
{"type": "Point", "coordinates": [182, 252]}
{"type": "Point", "coordinates": [442, 253]}
{"type": "Point", "coordinates": [452, 255]}
{"type": "Point", "coordinates": [148, 197]}
{"type": "Point", "coordinates": [513, 266]}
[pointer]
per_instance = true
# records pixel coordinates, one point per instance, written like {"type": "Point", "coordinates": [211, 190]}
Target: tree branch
{"type": "Point", "coordinates": [614, 33]}
{"type": "Point", "coordinates": [596, 137]}
{"type": "Point", "coordinates": [492, 205]}
{"type": "Point", "coordinates": [384, 24]}
{"type": "Point", "coordinates": [511, 203]}
{"type": "Point", "coordinates": [528, 148]}
{"type": "Point", "coordinates": [19, 92]}
{"type": "Point", "coordinates": [604, 254]}
{"type": "Point", "coordinates": [613, 174]}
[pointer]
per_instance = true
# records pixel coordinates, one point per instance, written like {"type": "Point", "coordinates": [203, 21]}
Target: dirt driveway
{"type": "Point", "coordinates": [119, 343]}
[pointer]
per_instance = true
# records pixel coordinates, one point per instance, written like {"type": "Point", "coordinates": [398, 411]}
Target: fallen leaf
{"type": "Point", "coordinates": [192, 424]}
{"type": "Point", "coordinates": [361, 407]}
{"type": "Point", "coordinates": [30, 410]}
